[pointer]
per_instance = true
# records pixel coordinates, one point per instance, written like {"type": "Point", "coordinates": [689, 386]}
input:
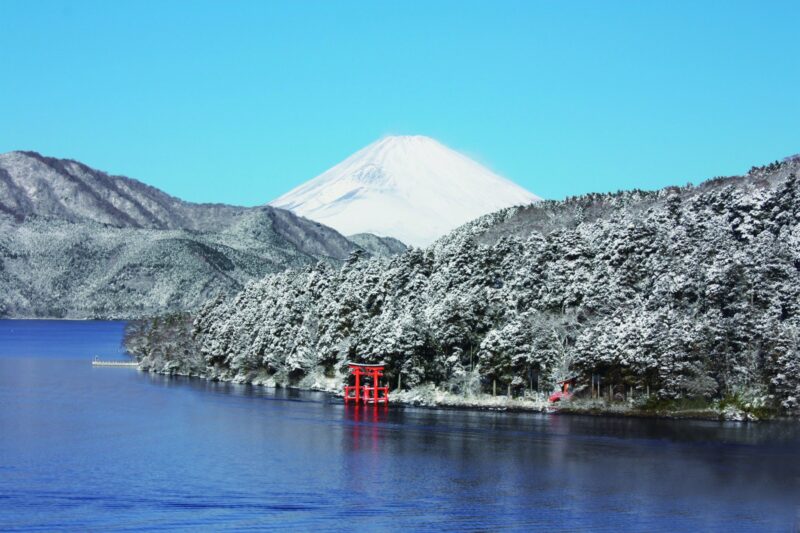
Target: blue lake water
{"type": "Point", "coordinates": [86, 448]}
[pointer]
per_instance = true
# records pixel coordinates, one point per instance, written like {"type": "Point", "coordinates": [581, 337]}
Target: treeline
{"type": "Point", "coordinates": [685, 292]}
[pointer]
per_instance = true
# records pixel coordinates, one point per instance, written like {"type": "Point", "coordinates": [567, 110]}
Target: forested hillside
{"type": "Point", "coordinates": [687, 292]}
{"type": "Point", "coordinates": [76, 242]}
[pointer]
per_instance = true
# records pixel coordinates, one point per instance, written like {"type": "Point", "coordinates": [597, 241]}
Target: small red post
{"type": "Point", "coordinates": [356, 389]}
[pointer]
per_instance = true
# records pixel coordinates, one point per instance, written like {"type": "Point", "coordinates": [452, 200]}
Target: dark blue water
{"type": "Point", "coordinates": [87, 448]}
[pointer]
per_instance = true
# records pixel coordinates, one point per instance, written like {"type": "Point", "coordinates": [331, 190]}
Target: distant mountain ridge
{"type": "Point", "coordinates": [412, 188]}
{"type": "Point", "coordinates": [80, 243]}
{"type": "Point", "coordinates": [378, 246]}
{"type": "Point", "coordinates": [33, 184]}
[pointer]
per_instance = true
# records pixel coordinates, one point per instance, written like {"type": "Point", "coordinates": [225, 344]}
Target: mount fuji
{"type": "Point", "coordinates": [412, 188]}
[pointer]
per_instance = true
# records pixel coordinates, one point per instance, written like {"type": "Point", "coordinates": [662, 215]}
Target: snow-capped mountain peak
{"type": "Point", "coordinates": [412, 188]}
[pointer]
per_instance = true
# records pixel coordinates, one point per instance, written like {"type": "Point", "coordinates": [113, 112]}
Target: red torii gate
{"type": "Point", "coordinates": [364, 393]}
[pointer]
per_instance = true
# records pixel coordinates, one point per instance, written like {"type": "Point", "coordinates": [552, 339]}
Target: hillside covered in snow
{"type": "Point", "coordinates": [79, 243]}
{"type": "Point", "coordinates": [687, 293]}
{"type": "Point", "coordinates": [412, 188]}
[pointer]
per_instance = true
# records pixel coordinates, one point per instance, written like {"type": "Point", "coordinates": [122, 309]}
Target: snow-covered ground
{"type": "Point", "coordinates": [431, 396]}
{"type": "Point", "coordinates": [412, 188]}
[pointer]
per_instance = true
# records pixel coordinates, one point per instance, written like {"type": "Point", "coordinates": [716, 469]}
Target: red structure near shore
{"type": "Point", "coordinates": [362, 391]}
{"type": "Point", "coordinates": [566, 391]}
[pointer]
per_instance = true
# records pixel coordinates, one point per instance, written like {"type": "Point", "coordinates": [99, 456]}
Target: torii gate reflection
{"type": "Point", "coordinates": [366, 425]}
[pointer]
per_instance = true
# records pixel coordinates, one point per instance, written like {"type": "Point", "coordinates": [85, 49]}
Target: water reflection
{"type": "Point", "coordinates": [99, 448]}
{"type": "Point", "coordinates": [364, 421]}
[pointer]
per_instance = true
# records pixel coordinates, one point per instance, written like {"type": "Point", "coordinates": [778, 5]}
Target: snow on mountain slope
{"type": "Point", "coordinates": [412, 188]}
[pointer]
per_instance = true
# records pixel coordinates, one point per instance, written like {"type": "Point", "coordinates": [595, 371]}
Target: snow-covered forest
{"type": "Point", "coordinates": [686, 292]}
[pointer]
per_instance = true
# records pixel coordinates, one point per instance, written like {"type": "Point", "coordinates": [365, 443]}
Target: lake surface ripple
{"type": "Point", "coordinates": [86, 448]}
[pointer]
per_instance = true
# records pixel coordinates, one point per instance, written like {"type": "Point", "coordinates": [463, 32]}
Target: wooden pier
{"type": "Point", "coordinates": [98, 362]}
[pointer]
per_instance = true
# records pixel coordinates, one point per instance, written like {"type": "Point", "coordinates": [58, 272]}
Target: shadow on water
{"type": "Point", "coordinates": [235, 389]}
{"type": "Point", "coordinates": [778, 435]}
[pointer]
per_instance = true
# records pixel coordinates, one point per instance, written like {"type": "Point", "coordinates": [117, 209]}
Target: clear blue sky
{"type": "Point", "coordinates": [240, 101]}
